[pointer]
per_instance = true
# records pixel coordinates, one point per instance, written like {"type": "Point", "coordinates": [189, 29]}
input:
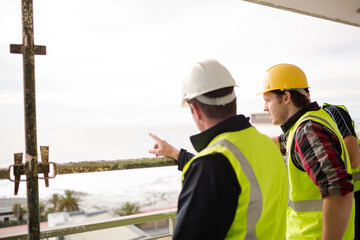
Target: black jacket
{"type": "Point", "coordinates": [209, 197]}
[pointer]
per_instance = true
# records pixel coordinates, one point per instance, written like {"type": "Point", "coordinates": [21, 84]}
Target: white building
{"type": "Point", "coordinates": [130, 232]}
{"type": "Point", "coordinates": [6, 214]}
{"type": "Point", "coordinates": [6, 208]}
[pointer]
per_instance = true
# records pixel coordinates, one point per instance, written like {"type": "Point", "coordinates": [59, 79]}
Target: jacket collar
{"type": "Point", "coordinates": [232, 124]}
{"type": "Point", "coordinates": [286, 126]}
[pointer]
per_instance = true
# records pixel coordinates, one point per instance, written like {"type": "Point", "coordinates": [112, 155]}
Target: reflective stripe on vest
{"type": "Point", "coordinates": [306, 206]}
{"type": "Point", "coordinates": [255, 203]}
{"type": "Point", "coordinates": [356, 176]}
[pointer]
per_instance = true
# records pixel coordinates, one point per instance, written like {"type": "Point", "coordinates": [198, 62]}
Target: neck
{"type": "Point", "coordinates": [293, 110]}
{"type": "Point", "coordinates": [210, 122]}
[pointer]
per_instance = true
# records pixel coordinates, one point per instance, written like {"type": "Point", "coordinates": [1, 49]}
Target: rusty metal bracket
{"type": "Point", "coordinates": [19, 168]}
{"type": "Point", "coordinates": [44, 150]}
{"type": "Point", "coordinates": [45, 169]}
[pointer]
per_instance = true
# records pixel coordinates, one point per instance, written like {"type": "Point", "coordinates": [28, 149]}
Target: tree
{"type": "Point", "coordinates": [54, 200]}
{"type": "Point", "coordinates": [43, 214]}
{"type": "Point", "coordinates": [69, 202]}
{"type": "Point", "coordinates": [128, 208]}
{"type": "Point", "coordinates": [19, 211]}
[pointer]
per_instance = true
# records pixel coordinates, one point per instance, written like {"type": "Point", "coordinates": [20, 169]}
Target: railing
{"type": "Point", "coordinates": [100, 225]}
{"type": "Point", "coordinates": [89, 166]}
{"type": "Point", "coordinates": [95, 166]}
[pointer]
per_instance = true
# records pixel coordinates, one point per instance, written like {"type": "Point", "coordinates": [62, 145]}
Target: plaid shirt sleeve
{"type": "Point", "coordinates": [317, 149]}
{"type": "Point", "coordinates": [282, 142]}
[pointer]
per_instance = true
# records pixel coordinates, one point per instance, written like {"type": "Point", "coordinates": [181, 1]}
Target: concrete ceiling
{"type": "Point", "coordinates": [342, 11]}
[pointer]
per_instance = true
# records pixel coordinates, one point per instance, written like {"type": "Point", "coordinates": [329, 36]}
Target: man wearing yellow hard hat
{"type": "Point", "coordinates": [319, 169]}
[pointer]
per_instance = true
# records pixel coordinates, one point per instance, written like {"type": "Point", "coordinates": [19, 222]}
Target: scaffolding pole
{"type": "Point", "coordinates": [29, 50]}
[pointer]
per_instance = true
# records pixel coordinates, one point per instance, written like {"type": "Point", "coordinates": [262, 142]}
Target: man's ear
{"type": "Point", "coordinates": [196, 111]}
{"type": "Point", "coordinates": [287, 97]}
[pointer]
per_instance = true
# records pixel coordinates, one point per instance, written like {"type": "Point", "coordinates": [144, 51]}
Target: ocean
{"type": "Point", "coordinates": [152, 188]}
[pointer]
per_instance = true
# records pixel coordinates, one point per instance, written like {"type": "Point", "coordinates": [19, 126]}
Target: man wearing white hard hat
{"type": "Point", "coordinates": [236, 186]}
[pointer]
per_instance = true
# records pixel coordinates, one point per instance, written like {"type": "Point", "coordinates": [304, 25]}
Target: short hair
{"type": "Point", "coordinates": [215, 111]}
{"type": "Point", "coordinates": [299, 100]}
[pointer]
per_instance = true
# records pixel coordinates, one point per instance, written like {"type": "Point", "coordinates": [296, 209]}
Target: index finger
{"type": "Point", "coordinates": [156, 138]}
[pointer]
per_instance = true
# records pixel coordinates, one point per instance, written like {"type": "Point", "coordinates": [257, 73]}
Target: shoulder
{"type": "Point", "coordinates": [212, 162]}
{"type": "Point", "coordinates": [342, 119]}
{"type": "Point", "coordinates": [313, 138]}
{"type": "Point", "coordinates": [212, 168]}
{"type": "Point", "coordinates": [309, 132]}
{"type": "Point", "coordinates": [338, 114]}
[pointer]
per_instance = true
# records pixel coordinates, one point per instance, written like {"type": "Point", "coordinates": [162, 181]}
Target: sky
{"type": "Point", "coordinates": [121, 62]}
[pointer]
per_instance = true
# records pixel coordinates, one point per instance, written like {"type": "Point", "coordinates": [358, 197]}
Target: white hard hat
{"type": "Point", "coordinates": [204, 77]}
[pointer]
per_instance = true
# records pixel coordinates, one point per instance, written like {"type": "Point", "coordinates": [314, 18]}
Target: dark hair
{"type": "Point", "coordinates": [299, 100]}
{"type": "Point", "coordinates": [213, 111]}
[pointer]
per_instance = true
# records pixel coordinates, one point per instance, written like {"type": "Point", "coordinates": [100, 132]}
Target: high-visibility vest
{"type": "Point", "coordinates": [355, 172]}
{"type": "Point", "coordinates": [261, 173]}
{"type": "Point", "coordinates": [305, 214]}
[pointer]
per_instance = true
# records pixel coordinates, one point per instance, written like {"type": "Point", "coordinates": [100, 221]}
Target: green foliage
{"type": "Point", "coordinates": [19, 211]}
{"type": "Point", "coordinates": [128, 208]}
{"type": "Point", "coordinates": [54, 200]}
{"type": "Point", "coordinates": [69, 202]}
{"type": "Point", "coordinates": [43, 213]}
{"type": "Point", "coordinates": [12, 223]}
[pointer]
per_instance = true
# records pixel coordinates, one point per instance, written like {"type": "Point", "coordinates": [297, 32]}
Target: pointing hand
{"type": "Point", "coordinates": [163, 148]}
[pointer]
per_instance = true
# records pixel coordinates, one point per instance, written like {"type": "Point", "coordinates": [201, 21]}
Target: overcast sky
{"type": "Point", "coordinates": [121, 62]}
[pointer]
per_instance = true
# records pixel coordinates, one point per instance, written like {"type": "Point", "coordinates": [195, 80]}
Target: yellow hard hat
{"type": "Point", "coordinates": [283, 76]}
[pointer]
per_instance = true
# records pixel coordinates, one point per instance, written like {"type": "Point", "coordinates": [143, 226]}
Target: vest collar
{"type": "Point", "coordinates": [232, 124]}
{"type": "Point", "coordinates": [286, 126]}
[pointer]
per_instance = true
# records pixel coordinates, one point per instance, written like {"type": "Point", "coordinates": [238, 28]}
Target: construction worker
{"type": "Point", "coordinates": [319, 169]}
{"type": "Point", "coordinates": [346, 126]}
{"type": "Point", "coordinates": [236, 186]}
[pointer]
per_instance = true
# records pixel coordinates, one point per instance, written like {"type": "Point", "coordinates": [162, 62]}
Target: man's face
{"type": "Point", "coordinates": [275, 106]}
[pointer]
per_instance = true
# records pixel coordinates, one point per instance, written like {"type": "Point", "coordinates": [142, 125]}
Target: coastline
{"type": "Point", "coordinates": [151, 189]}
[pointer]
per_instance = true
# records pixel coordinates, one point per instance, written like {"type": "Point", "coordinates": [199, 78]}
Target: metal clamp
{"type": "Point", "coordinates": [46, 167]}
{"type": "Point", "coordinates": [19, 168]}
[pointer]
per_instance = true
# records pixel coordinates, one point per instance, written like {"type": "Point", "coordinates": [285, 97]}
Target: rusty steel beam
{"type": "Point", "coordinates": [4, 173]}
{"type": "Point", "coordinates": [99, 166]}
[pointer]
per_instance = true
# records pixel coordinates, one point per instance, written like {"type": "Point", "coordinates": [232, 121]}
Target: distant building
{"type": "Point", "coordinates": [260, 118]}
{"type": "Point", "coordinates": [6, 208]}
{"type": "Point", "coordinates": [64, 218]}
{"type": "Point", "coordinates": [7, 215]}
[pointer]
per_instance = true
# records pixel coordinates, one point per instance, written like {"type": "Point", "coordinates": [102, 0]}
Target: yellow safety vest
{"type": "Point", "coordinates": [355, 172]}
{"type": "Point", "coordinates": [305, 203]}
{"type": "Point", "coordinates": [261, 173]}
